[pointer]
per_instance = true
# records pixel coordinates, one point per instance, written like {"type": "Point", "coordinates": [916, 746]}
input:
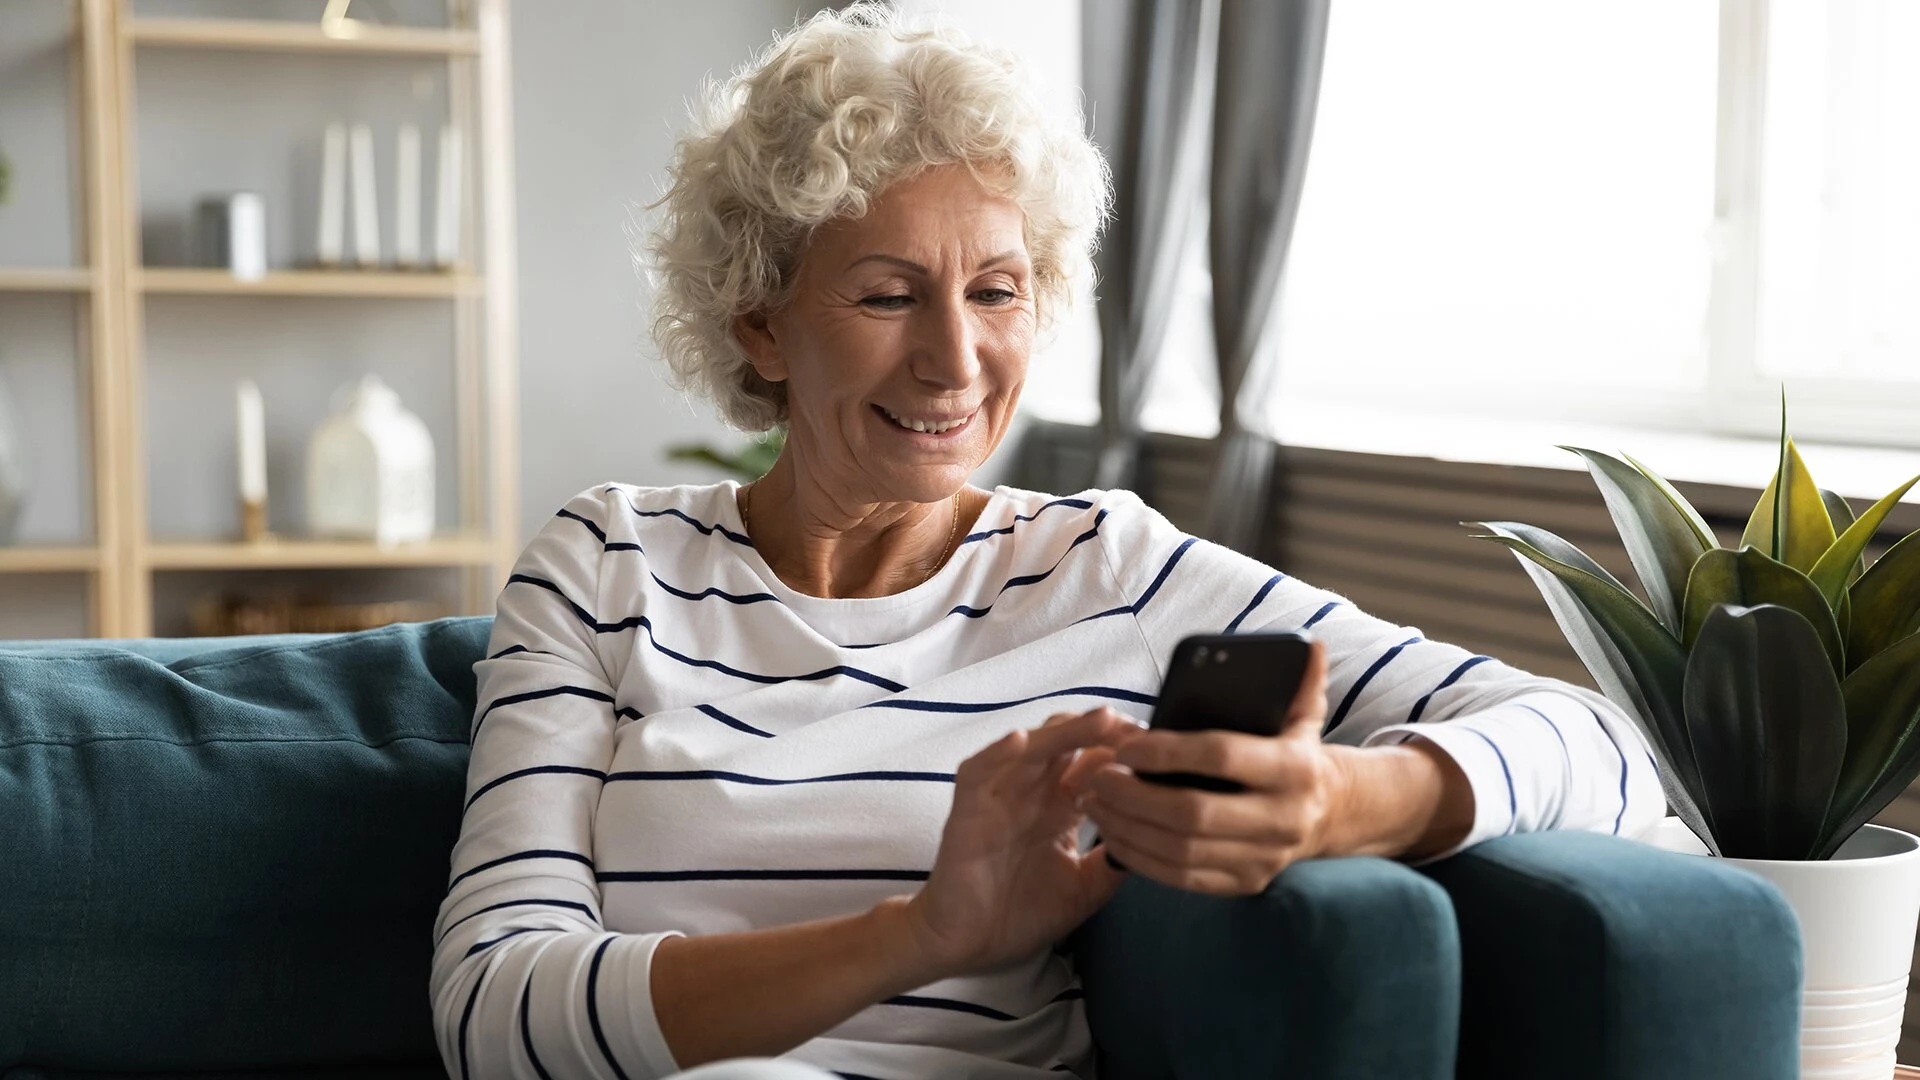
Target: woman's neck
{"type": "Point", "coordinates": [832, 547]}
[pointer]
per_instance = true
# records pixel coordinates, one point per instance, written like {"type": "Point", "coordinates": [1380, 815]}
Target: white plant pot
{"type": "Point", "coordinates": [1857, 913]}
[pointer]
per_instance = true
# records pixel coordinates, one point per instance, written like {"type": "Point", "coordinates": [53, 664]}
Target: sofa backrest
{"type": "Point", "coordinates": [228, 856]}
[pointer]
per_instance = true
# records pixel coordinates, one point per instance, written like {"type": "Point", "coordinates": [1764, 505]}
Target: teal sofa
{"type": "Point", "coordinates": [223, 858]}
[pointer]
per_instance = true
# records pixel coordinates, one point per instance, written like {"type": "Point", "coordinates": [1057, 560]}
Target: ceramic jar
{"type": "Point", "coordinates": [370, 471]}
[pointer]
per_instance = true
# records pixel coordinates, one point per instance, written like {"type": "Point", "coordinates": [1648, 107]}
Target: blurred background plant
{"type": "Point", "coordinates": [748, 463]}
{"type": "Point", "coordinates": [6, 178]}
{"type": "Point", "coordinates": [1778, 682]}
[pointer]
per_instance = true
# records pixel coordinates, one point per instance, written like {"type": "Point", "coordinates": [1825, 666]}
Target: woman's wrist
{"type": "Point", "coordinates": [1406, 800]}
{"type": "Point", "coordinates": [903, 949]}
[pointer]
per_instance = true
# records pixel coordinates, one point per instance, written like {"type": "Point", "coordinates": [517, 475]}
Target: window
{"type": "Point", "coordinates": [1640, 212]}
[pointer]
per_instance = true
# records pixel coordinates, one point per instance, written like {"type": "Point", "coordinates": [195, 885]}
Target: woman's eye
{"type": "Point", "coordinates": [888, 303]}
{"type": "Point", "coordinates": [993, 296]}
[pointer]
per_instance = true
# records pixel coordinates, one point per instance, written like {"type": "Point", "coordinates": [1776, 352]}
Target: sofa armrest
{"type": "Point", "coordinates": [1589, 957]}
{"type": "Point", "coordinates": [1342, 968]}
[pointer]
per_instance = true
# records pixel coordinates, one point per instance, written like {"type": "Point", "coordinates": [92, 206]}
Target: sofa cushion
{"type": "Point", "coordinates": [228, 857]}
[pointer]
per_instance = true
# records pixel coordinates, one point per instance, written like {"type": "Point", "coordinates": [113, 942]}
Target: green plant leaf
{"type": "Point", "coordinates": [1883, 740]}
{"type": "Point", "coordinates": [1746, 578]}
{"type": "Point", "coordinates": [1886, 602]}
{"type": "Point", "coordinates": [1661, 539]}
{"type": "Point", "coordinates": [1636, 662]}
{"type": "Point", "coordinates": [1840, 512]}
{"type": "Point", "coordinates": [1694, 521]}
{"type": "Point", "coordinates": [1832, 572]}
{"type": "Point", "coordinates": [750, 463]}
{"type": "Point", "coordinates": [1790, 522]}
{"type": "Point", "coordinates": [1769, 728]}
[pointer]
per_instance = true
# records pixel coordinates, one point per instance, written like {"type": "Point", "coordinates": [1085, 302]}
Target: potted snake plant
{"type": "Point", "coordinates": [1777, 683]}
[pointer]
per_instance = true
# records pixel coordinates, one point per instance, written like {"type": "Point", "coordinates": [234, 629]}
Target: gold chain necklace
{"type": "Point", "coordinates": [746, 522]}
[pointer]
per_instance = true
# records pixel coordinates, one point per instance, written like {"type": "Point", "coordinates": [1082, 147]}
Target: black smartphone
{"type": "Point", "coordinates": [1229, 682]}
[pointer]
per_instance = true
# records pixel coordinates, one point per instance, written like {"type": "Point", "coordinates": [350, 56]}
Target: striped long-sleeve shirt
{"type": "Point", "coordinates": [671, 741]}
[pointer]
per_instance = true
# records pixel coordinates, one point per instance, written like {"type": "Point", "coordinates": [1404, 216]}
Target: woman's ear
{"type": "Point", "coordinates": [755, 333]}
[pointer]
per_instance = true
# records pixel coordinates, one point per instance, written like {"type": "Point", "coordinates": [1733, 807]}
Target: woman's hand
{"type": "Point", "coordinates": [1230, 844]}
{"type": "Point", "coordinates": [1009, 879]}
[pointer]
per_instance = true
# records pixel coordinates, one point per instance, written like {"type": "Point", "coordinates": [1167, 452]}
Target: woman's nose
{"type": "Point", "coordinates": [946, 352]}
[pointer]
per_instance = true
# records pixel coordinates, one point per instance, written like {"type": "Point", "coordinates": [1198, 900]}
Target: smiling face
{"type": "Point", "coordinates": [905, 346]}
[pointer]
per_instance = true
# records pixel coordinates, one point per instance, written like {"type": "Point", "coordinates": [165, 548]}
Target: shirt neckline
{"type": "Point", "coordinates": [940, 584]}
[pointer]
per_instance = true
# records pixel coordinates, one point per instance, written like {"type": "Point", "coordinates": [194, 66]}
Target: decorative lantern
{"type": "Point", "coordinates": [370, 471]}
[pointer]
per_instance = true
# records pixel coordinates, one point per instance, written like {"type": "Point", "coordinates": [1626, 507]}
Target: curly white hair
{"type": "Point", "coordinates": [814, 129]}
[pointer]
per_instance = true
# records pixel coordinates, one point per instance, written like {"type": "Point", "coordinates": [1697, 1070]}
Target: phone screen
{"type": "Point", "coordinates": [1230, 682]}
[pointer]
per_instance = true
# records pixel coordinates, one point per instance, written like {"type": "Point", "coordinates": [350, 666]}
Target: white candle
{"type": "Point", "coordinates": [366, 209]}
{"type": "Point", "coordinates": [253, 444]}
{"type": "Point", "coordinates": [333, 196]}
{"type": "Point", "coordinates": [406, 197]}
{"type": "Point", "coordinates": [446, 217]}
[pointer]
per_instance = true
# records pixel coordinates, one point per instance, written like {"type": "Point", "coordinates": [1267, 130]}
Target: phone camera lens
{"type": "Point", "coordinates": [1220, 657]}
{"type": "Point", "coordinates": [1199, 657]}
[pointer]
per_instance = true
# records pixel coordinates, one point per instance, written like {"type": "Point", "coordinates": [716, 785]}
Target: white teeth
{"type": "Point", "coordinates": [923, 426]}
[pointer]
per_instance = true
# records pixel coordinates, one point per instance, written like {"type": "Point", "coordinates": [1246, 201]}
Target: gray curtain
{"type": "Point", "coordinates": [1148, 67]}
{"type": "Point", "coordinates": [1268, 85]}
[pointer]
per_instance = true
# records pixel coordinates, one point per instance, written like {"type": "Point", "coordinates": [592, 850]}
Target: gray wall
{"type": "Point", "coordinates": [600, 89]}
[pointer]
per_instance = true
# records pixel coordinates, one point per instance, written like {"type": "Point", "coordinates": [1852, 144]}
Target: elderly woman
{"type": "Point", "coordinates": [798, 768]}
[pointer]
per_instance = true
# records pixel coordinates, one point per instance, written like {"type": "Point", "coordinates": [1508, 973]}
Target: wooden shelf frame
{"type": "Point", "coordinates": [266, 35]}
{"type": "Point", "coordinates": [56, 559]}
{"type": "Point", "coordinates": [367, 284]}
{"type": "Point", "coordinates": [122, 560]}
{"type": "Point", "coordinates": [298, 554]}
{"type": "Point", "coordinates": [54, 279]}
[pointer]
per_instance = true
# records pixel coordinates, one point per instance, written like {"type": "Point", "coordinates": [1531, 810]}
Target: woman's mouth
{"type": "Point", "coordinates": [925, 425]}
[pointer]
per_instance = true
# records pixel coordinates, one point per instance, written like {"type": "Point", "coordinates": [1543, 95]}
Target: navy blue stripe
{"type": "Point", "coordinates": [482, 946]}
{"type": "Point", "coordinates": [1254, 603]}
{"type": "Point", "coordinates": [1321, 614]}
{"type": "Point", "coordinates": [1033, 579]}
{"type": "Point", "coordinates": [1079, 504]}
{"type": "Point", "coordinates": [537, 770]}
{"type": "Point", "coordinates": [767, 781]}
{"type": "Point", "coordinates": [581, 908]}
{"type": "Point", "coordinates": [1353, 695]}
{"type": "Point", "coordinates": [1621, 816]}
{"type": "Point", "coordinates": [1565, 751]}
{"type": "Point", "coordinates": [536, 695]}
{"type": "Point", "coordinates": [509, 651]}
{"type": "Point", "coordinates": [1420, 706]}
{"type": "Point", "coordinates": [993, 706]}
{"type": "Point", "coordinates": [1513, 800]}
{"type": "Point", "coordinates": [646, 624]}
{"type": "Point", "coordinates": [703, 527]}
{"type": "Point", "coordinates": [1109, 613]}
{"type": "Point", "coordinates": [466, 1017]}
{"type": "Point", "coordinates": [526, 1030]}
{"type": "Point", "coordinates": [854, 1076]}
{"type": "Point", "coordinates": [538, 853]}
{"type": "Point", "coordinates": [749, 598]}
{"type": "Point", "coordinates": [918, 1001]}
{"type": "Point", "coordinates": [1071, 993]}
{"type": "Point", "coordinates": [733, 722]}
{"type": "Point", "coordinates": [1172, 560]}
{"type": "Point", "coordinates": [731, 598]}
{"type": "Point", "coordinates": [598, 533]}
{"type": "Point", "coordinates": [593, 1007]}
{"type": "Point", "coordinates": [628, 713]}
{"type": "Point", "coordinates": [761, 875]}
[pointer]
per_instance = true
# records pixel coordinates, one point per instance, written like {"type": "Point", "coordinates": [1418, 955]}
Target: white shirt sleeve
{"type": "Point", "coordinates": [526, 981]}
{"type": "Point", "coordinates": [1538, 753]}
